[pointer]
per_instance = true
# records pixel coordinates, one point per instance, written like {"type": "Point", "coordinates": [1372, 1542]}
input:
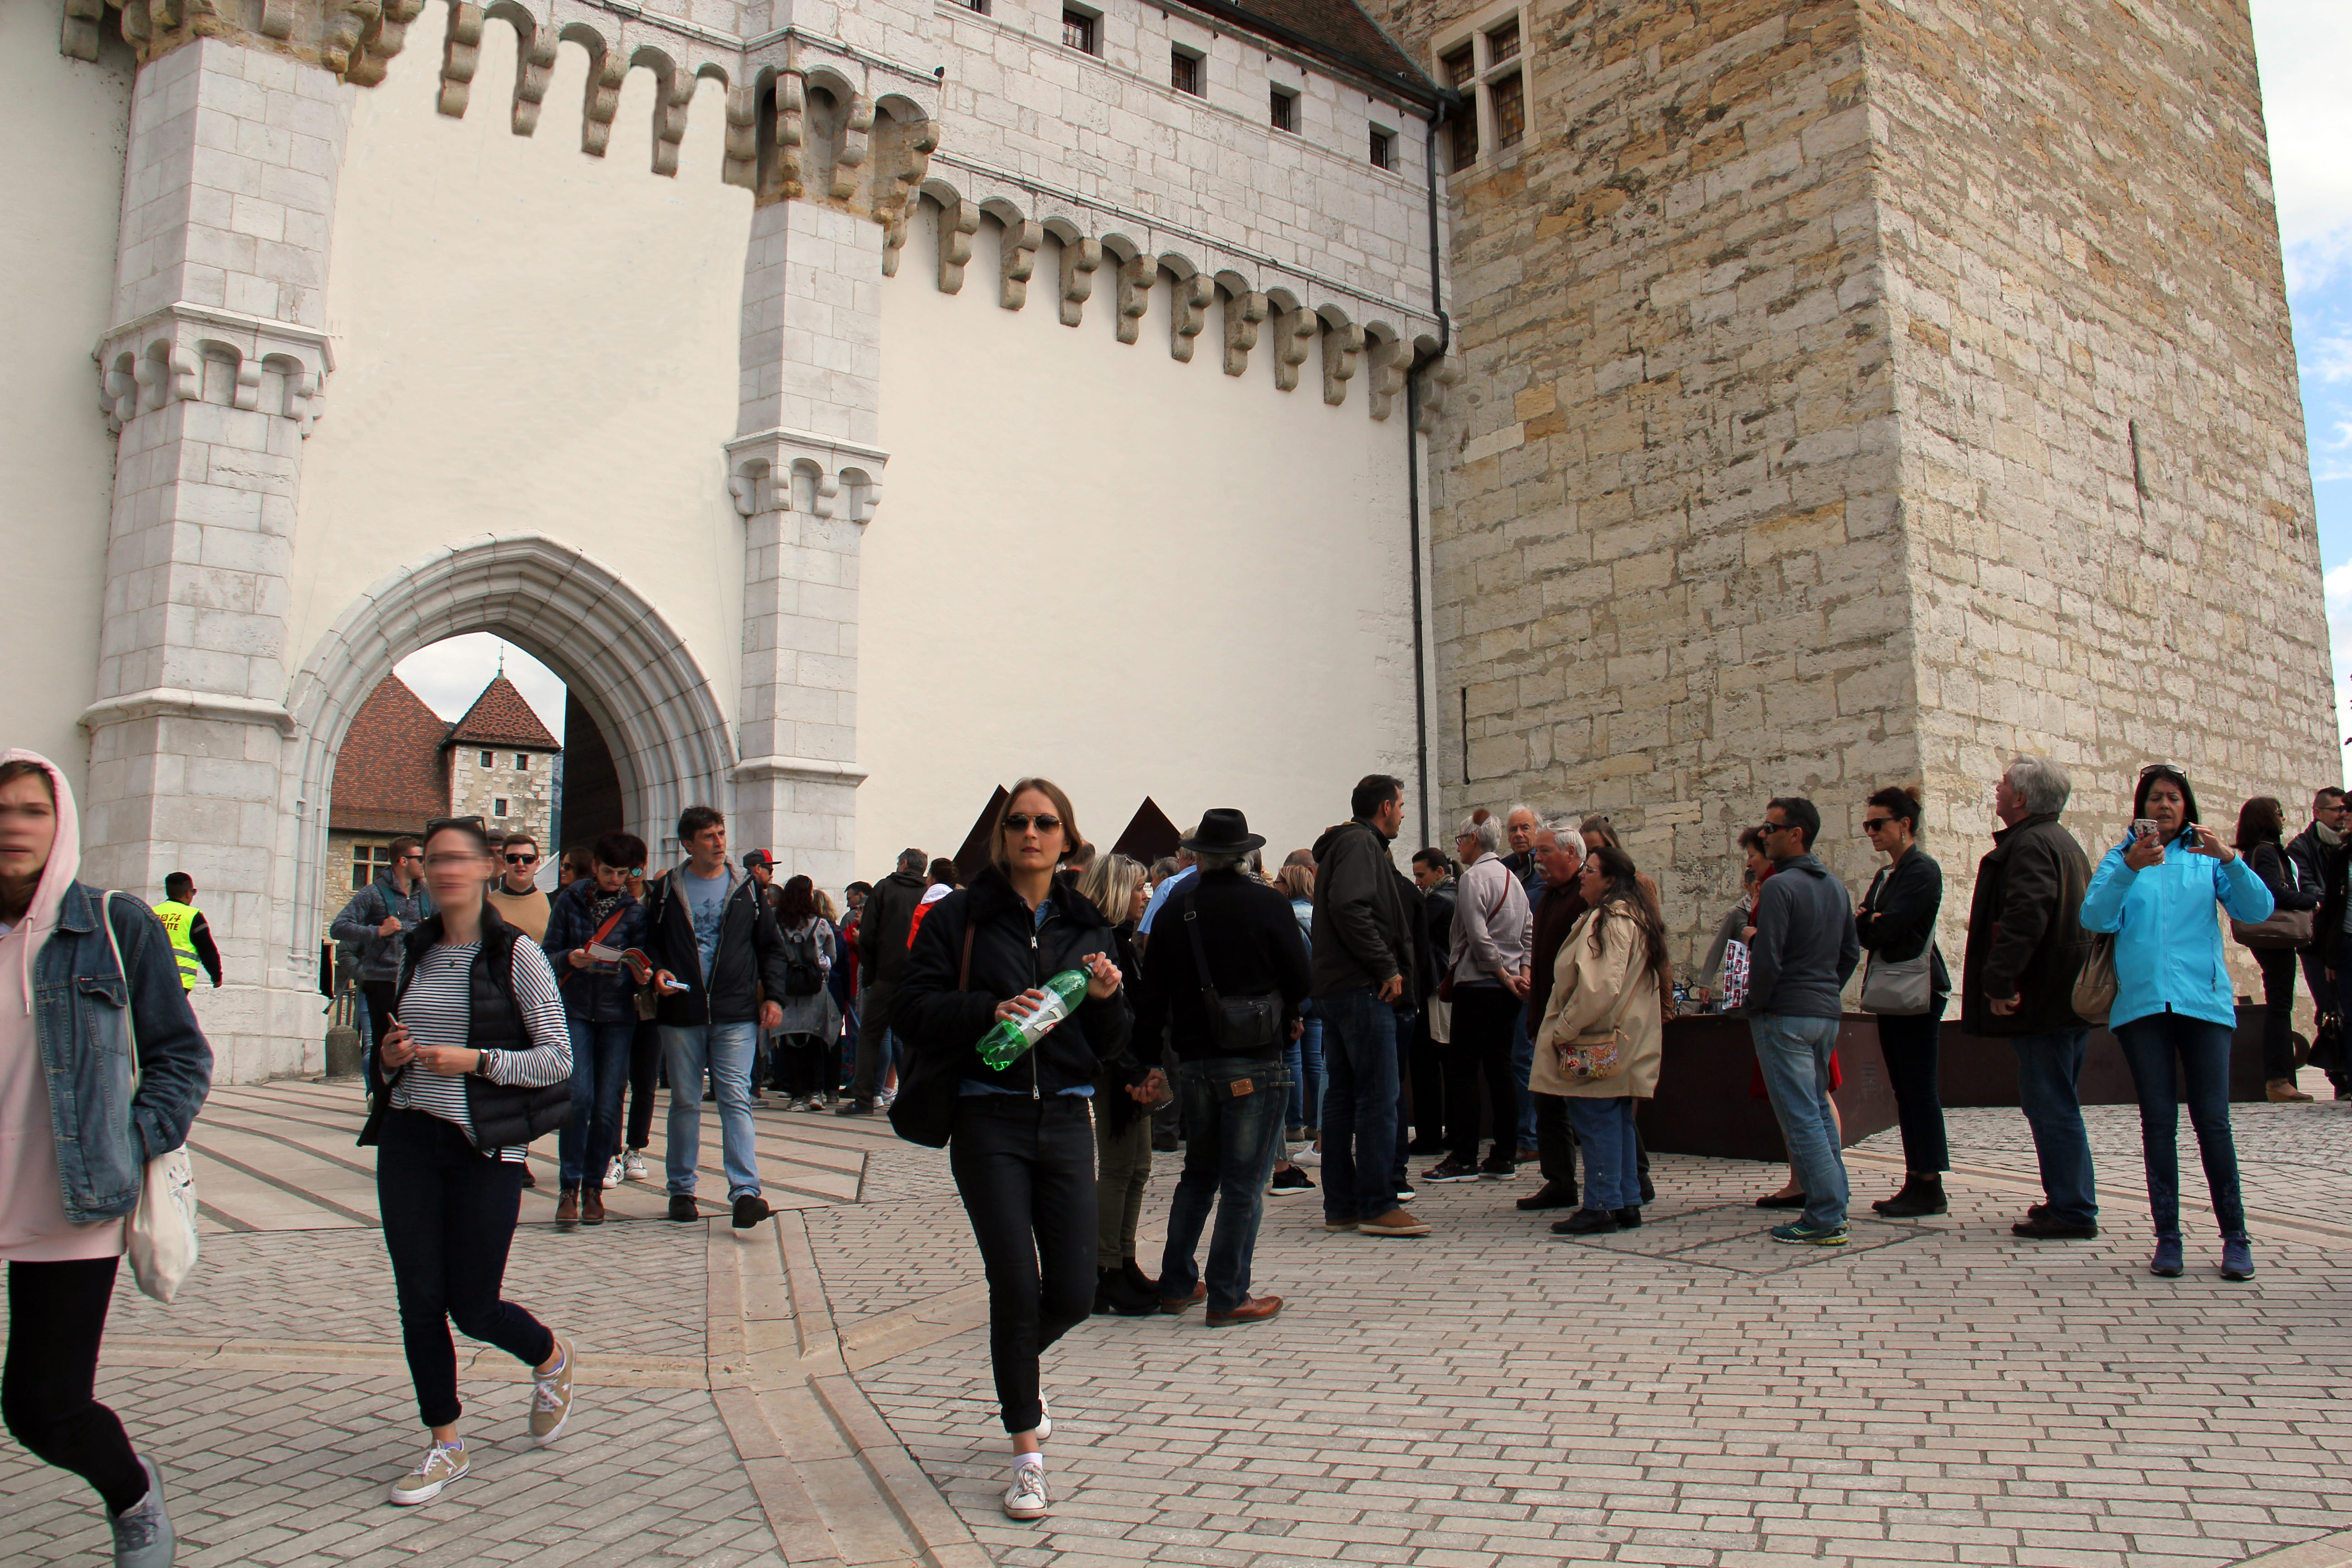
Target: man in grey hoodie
{"type": "Point", "coordinates": [1803, 953]}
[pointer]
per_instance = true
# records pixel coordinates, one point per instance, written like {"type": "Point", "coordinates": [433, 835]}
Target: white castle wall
{"type": "Point", "coordinates": [62, 191]}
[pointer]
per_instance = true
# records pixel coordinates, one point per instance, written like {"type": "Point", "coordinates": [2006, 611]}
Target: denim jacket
{"type": "Point", "coordinates": [105, 1132]}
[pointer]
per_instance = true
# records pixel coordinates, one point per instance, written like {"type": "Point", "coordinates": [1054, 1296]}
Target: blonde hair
{"type": "Point", "coordinates": [1071, 837]}
{"type": "Point", "coordinates": [1297, 883]}
{"type": "Point", "coordinates": [1109, 885]}
{"type": "Point", "coordinates": [827, 906]}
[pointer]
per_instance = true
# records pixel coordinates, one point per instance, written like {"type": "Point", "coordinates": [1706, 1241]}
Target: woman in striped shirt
{"type": "Point", "coordinates": [476, 1063]}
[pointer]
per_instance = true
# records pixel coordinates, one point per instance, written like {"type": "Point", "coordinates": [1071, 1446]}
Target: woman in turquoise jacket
{"type": "Point", "coordinates": [2156, 892]}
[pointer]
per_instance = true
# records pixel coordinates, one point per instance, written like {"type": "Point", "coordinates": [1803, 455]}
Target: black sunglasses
{"type": "Point", "coordinates": [522, 860]}
{"type": "Point", "coordinates": [1018, 822]}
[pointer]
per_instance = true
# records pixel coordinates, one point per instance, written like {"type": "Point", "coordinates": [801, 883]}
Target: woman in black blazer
{"type": "Point", "coordinates": [1896, 922]}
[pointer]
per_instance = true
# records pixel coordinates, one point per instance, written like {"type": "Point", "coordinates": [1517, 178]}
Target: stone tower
{"type": "Point", "coordinates": [1857, 394]}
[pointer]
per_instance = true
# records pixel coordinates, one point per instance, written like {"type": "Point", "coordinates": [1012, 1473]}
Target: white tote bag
{"type": "Point", "coordinates": [161, 1235]}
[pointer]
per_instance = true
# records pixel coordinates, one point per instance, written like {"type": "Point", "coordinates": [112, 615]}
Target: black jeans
{"type": "Point", "coordinates": [645, 1064]}
{"type": "Point", "coordinates": [379, 996]}
{"type": "Point", "coordinates": [2152, 1046]}
{"type": "Point", "coordinates": [1556, 1144]}
{"type": "Point", "coordinates": [1227, 1162]}
{"type": "Point", "coordinates": [57, 1313]}
{"type": "Point", "coordinates": [800, 1065]}
{"type": "Point", "coordinates": [1427, 1059]}
{"type": "Point", "coordinates": [1483, 1017]}
{"type": "Point", "coordinates": [448, 1218]}
{"type": "Point", "coordinates": [2277, 964]}
{"type": "Point", "coordinates": [1025, 1169]}
{"type": "Point", "coordinates": [1909, 1045]}
{"type": "Point", "coordinates": [873, 1041]}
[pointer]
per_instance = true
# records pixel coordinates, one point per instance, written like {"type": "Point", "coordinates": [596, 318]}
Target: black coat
{"type": "Point", "coordinates": [1250, 935]}
{"type": "Point", "coordinates": [1906, 900]}
{"type": "Point", "coordinates": [2291, 887]}
{"type": "Point", "coordinates": [2025, 931]}
{"type": "Point", "coordinates": [1009, 955]}
{"type": "Point", "coordinates": [883, 925]}
{"type": "Point", "coordinates": [746, 968]}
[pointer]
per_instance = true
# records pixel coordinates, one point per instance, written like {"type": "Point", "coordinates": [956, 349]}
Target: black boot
{"type": "Point", "coordinates": [1144, 1283]}
{"type": "Point", "coordinates": [1919, 1195]}
{"type": "Point", "coordinates": [1551, 1196]}
{"type": "Point", "coordinates": [1114, 1294]}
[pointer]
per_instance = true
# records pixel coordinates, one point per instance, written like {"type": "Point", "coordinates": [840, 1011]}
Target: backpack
{"type": "Point", "coordinates": [804, 972]}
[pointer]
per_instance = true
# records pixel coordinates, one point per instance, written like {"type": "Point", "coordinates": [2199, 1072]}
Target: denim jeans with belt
{"type": "Point", "coordinates": [1795, 1055]}
{"type": "Point", "coordinates": [1360, 1104]}
{"type": "Point", "coordinates": [2152, 1046]}
{"type": "Point", "coordinates": [2049, 1069]}
{"type": "Point", "coordinates": [1228, 1158]}
{"type": "Point", "coordinates": [725, 1051]}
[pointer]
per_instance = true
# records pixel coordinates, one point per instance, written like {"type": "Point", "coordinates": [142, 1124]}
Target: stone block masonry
{"type": "Point", "coordinates": [1858, 398]}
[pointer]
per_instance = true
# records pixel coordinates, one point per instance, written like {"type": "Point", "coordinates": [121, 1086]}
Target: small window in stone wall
{"type": "Point", "coordinates": [1489, 70]}
{"type": "Point", "coordinates": [523, 761]}
{"type": "Point", "coordinates": [1461, 73]}
{"type": "Point", "coordinates": [497, 806]}
{"type": "Point", "coordinates": [1383, 149]}
{"type": "Point", "coordinates": [1503, 43]}
{"type": "Point", "coordinates": [1078, 30]}
{"type": "Point", "coordinates": [1285, 109]}
{"type": "Point", "coordinates": [367, 859]}
{"type": "Point", "coordinates": [1185, 72]}
{"type": "Point", "coordinates": [489, 759]}
{"type": "Point", "coordinates": [1508, 95]}
{"type": "Point", "coordinates": [978, 5]}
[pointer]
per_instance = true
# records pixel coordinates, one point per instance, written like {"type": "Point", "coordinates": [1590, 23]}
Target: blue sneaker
{"type": "Point", "coordinates": [2166, 1264]}
{"type": "Point", "coordinates": [1800, 1235]}
{"type": "Point", "coordinates": [2236, 1257]}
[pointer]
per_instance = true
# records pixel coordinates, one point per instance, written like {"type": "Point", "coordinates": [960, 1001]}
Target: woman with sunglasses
{"type": "Point", "coordinates": [1021, 1144]}
{"type": "Point", "coordinates": [1895, 923]}
{"type": "Point", "coordinates": [2155, 892]}
{"type": "Point", "coordinates": [476, 1063]}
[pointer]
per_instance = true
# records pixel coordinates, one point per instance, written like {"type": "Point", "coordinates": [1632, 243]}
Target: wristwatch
{"type": "Point", "coordinates": [482, 1066]}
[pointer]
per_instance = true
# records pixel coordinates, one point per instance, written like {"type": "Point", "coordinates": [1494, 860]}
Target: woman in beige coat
{"type": "Point", "coordinates": [1609, 985]}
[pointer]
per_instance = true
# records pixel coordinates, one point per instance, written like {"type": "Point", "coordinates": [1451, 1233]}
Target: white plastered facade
{"type": "Point", "coordinates": [921, 429]}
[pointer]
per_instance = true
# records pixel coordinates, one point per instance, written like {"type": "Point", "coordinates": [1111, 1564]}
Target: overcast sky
{"type": "Point", "coordinates": [2305, 49]}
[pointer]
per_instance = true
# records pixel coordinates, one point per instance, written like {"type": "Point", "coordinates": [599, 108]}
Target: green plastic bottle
{"type": "Point", "coordinates": [1011, 1038]}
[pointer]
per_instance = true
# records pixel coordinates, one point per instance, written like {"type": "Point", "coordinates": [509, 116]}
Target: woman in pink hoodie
{"type": "Point", "coordinates": [72, 1162]}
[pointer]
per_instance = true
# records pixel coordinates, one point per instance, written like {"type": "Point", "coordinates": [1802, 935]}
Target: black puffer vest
{"type": "Point", "coordinates": [501, 1113]}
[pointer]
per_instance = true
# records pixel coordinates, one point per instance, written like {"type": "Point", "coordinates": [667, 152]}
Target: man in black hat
{"type": "Point", "coordinates": [1225, 978]}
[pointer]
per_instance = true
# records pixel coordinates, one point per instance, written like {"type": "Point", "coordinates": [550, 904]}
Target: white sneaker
{"type": "Point", "coordinates": [813, 1103]}
{"type": "Point", "coordinates": [1025, 1497]}
{"type": "Point", "coordinates": [441, 1465]}
{"type": "Point", "coordinates": [633, 1166]}
{"type": "Point", "coordinates": [613, 1176]}
{"type": "Point", "coordinates": [1307, 1157]}
{"type": "Point", "coordinates": [884, 1097]}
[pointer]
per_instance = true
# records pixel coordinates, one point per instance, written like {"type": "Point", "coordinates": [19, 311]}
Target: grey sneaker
{"type": "Point", "coordinates": [442, 1464]}
{"type": "Point", "coordinates": [550, 1398]}
{"type": "Point", "coordinates": [1025, 1497]}
{"type": "Point", "coordinates": [633, 1166]}
{"type": "Point", "coordinates": [142, 1537]}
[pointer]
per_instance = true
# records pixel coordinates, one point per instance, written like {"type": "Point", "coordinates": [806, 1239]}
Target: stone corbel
{"type": "Point", "coordinates": [1436, 381]}
{"type": "Point", "coordinates": [1389, 360]}
{"type": "Point", "coordinates": [78, 40]}
{"type": "Point", "coordinates": [857, 137]}
{"type": "Point", "coordinates": [1191, 314]}
{"type": "Point", "coordinates": [159, 359]}
{"type": "Point", "coordinates": [742, 165]}
{"type": "Point", "coordinates": [606, 72]}
{"type": "Point", "coordinates": [347, 22]}
{"type": "Point", "coordinates": [673, 96]}
{"type": "Point", "coordinates": [461, 52]}
{"type": "Point", "coordinates": [1244, 311]}
{"type": "Point", "coordinates": [791, 130]}
{"type": "Point", "coordinates": [1080, 258]}
{"type": "Point", "coordinates": [915, 144]}
{"type": "Point", "coordinates": [1021, 242]}
{"type": "Point", "coordinates": [1293, 331]}
{"type": "Point", "coordinates": [1343, 349]}
{"type": "Point", "coordinates": [843, 478]}
{"type": "Point", "coordinates": [387, 37]}
{"type": "Point", "coordinates": [534, 68]}
{"type": "Point", "coordinates": [1135, 281]}
{"type": "Point", "coordinates": [277, 18]}
{"type": "Point", "coordinates": [958, 221]}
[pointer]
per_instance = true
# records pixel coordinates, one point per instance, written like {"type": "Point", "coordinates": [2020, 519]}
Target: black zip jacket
{"type": "Point", "coordinates": [1364, 925]}
{"type": "Point", "coordinates": [1906, 901]}
{"type": "Point", "coordinates": [2290, 888]}
{"type": "Point", "coordinates": [1009, 954]}
{"type": "Point", "coordinates": [749, 957]}
{"type": "Point", "coordinates": [882, 928]}
{"type": "Point", "coordinates": [1250, 934]}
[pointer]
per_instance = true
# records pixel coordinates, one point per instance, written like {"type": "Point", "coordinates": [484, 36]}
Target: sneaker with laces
{"type": "Point", "coordinates": [1802, 1235]}
{"type": "Point", "coordinates": [1449, 1170]}
{"type": "Point", "coordinates": [633, 1166]}
{"type": "Point", "coordinates": [142, 1532]}
{"type": "Point", "coordinates": [1290, 1180]}
{"type": "Point", "coordinates": [2167, 1263]}
{"type": "Point", "coordinates": [1025, 1497]}
{"type": "Point", "coordinates": [614, 1175]}
{"type": "Point", "coordinates": [2236, 1257]}
{"type": "Point", "coordinates": [550, 1398]}
{"type": "Point", "coordinates": [1310, 1158]}
{"type": "Point", "coordinates": [443, 1463]}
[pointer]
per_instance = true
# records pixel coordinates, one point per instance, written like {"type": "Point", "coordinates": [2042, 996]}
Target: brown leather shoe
{"type": "Point", "coordinates": [2283, 1091]}
{"type": "Point", "coordinates": [1172, 1305]}
{"type": "Point", "coordinates": [1256, 1310]}
{"type": "Point", "coordinates": [591, 1205]}
{"type": "Point", "coordinates": [1396, 1222]}
{"type": "Point", "coordinates": [567, 1207]}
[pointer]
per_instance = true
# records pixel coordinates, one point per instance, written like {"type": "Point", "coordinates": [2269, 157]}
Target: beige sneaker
{"type": "Point", "coordinates": [550, 1398]}
{"type": "Point", "coordinates": [1396, 1222]}
{"type": "Point", "coordinates": [440, 1467]}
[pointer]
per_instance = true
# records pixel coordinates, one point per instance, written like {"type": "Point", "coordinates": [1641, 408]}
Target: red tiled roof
{"type": "Point", "coordinates": [388, 776]}
{"type": "Point", "coordinates": [500, 717]}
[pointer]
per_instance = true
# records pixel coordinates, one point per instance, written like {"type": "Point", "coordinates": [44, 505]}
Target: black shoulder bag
{"type": "Point", "coordinates": [1240, 1025]}
{"type": "Point", "coordinates": [924, 1111]}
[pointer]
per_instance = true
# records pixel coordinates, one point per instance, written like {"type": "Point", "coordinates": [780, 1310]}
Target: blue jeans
{"type": "Point", "coordinates": [2048, 1067]}
{"type": "Point", "coordinates": [600, 1070]}
{"type": "Point", "coordinates": [2152, 1047]}
{"type": "Point", "coordinates": [1360, 1104]}
{"type": "Point", "coordinates": [1795, 1055]}
{"type": "Point", "coordinates": [1612, 1173]}
{"type": "Point", "coordinates": [1304, 1057]}
{"type": "Point", "coordinates": [1228, 1159]}
{"type": "Point", "coordinates": [1523, 1066]}
{"type": "Point", "coordinates": [725, 1051]}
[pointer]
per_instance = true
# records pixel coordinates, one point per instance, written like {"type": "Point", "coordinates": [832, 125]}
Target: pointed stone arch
{"type": "Point", "coordinates": [621, 659]}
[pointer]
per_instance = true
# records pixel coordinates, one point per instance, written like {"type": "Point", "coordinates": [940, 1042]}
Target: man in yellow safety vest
{"type": "Point", "coordinates": [191, 939]}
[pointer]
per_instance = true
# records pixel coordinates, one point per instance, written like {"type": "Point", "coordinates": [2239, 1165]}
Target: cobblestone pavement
{"type": "Point", "coordinates": [1487, 1397]}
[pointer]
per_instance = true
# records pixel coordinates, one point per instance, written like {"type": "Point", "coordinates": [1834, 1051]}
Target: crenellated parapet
{"type": "Point", "coordinates": [353, 39]}
{"type": "Point", "coordinates": [186, 352]}
{"type": "Point", "coordinates": [799, 472]}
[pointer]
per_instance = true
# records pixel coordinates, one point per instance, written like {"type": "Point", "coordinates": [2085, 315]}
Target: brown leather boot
{"type": "Point", "coordinates": [2283, 1091]}
{"type": "Point", "coordinates": [567, 1207]}
{"type": "Point", "coordinates": [1256, 1310]}
{"type": "Point", "coordinates": [591, 1205]}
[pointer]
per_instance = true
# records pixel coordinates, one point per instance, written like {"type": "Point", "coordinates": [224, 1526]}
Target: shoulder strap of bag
{"type": "Point", "coordinates": [963, 972]}
{"type": "Point", "coordinates": [130, 1025]}
{"type": "Point", "coordinates": [1200, 955]}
